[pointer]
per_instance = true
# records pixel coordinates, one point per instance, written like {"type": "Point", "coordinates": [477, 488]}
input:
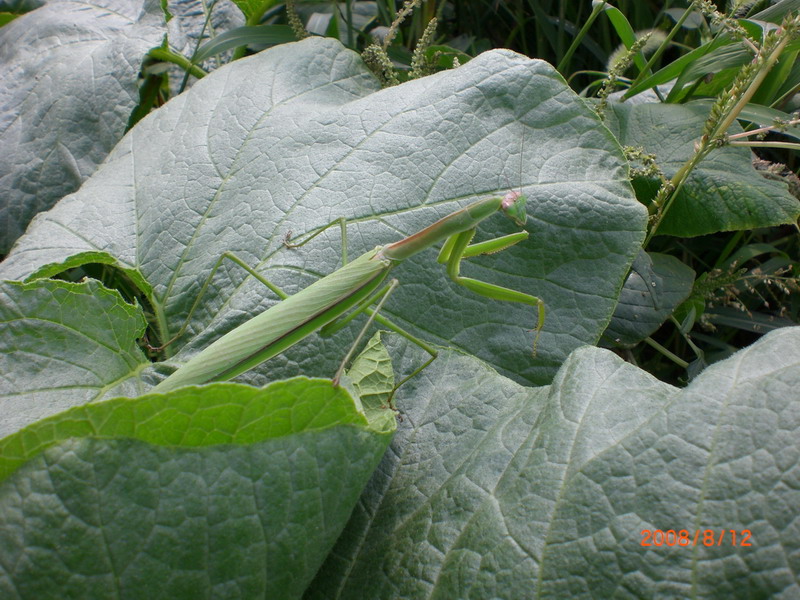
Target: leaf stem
{"type": "Point", "coordinates": [673, 357]}
{"type": "Point", "coordinates": [184, 63]}
{"type": "Point", "coordinates": [756, 144]}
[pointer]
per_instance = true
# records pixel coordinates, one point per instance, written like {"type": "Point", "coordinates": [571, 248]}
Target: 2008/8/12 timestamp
{"type": "Point", "coordinates": [705, 537]}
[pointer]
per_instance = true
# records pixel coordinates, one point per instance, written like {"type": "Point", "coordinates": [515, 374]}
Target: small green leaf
{"type": "Point", "coordinates": [625, 32]}
{"type": "Point", "coordinates": [445, 56]}
{"type": "Point", "coordinates": [253, 9]}
{"type": "Point", "coordinates": [372, 376]}
{"type": "Point", "coordinates": [689, 312]}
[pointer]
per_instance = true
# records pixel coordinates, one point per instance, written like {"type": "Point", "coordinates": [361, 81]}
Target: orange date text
{"type": "Point", "coordinates": [702, 537]}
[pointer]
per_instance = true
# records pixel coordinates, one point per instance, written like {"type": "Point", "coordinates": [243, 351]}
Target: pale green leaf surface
{"type": "Point", "coordinates": [297, 136]}
{"type": "Point", "coordinates": [724, 193]}
{"type": "Point", "coordinates": [492, 490]}
{"type": "Point", "coordinates": [64, 344]}
{"type": "Point", "coordinates": [218, 491]}
{"type": "Point", "coordinates": [372, 375]}
{"type": "Point", "coordinates": [656, 285]}
{"type": "Point", "coordinates": [67, 87]}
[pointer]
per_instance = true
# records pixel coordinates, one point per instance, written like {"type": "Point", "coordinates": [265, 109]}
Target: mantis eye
{"type": "Point", "coordinates": [514, 206]}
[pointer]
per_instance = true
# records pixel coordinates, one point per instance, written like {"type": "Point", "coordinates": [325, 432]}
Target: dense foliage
{"type": "Point", "coordinates": [648, 448]}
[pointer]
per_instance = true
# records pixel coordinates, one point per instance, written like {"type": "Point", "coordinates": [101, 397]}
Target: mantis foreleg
{"type": "Point", "coordinates": [458, 247]}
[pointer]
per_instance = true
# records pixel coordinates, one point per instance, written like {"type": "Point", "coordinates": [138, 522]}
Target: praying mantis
{"type": "Point", "coordinates": [356, 285]}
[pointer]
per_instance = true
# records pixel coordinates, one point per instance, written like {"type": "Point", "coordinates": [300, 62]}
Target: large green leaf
{"type": "Point", "coordinates": [67, 87]}
{"type": "Point", "coordinates": [724, 193]}
{"type": "Point", "coordinates": [493, 490]}
{"type": "Point", "coordinates": [297, 136]}
{"type": "Point", "coordinates": [218, 491]}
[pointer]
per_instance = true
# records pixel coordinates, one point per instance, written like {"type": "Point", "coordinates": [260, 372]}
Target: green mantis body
{"type": "Point", "coordinates": [356, 285]}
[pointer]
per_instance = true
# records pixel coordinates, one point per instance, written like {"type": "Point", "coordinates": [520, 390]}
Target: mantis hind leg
{"type": "Point", "coordinates": [341, 222]}
{"type": "Point", "coordinates": [274, 288]}
{"type": "Point", "coordinates": [380, 296]}
{"type": "Point", "coordinates": [287, 241]}
{"type": "Point", "coordinates": [235, 259]}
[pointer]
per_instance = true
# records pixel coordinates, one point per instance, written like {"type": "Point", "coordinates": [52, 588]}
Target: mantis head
{"type": "Point", "coordinates": [514, 206]}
